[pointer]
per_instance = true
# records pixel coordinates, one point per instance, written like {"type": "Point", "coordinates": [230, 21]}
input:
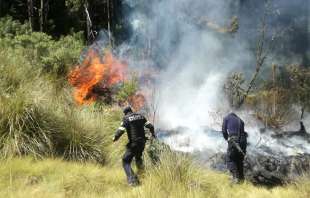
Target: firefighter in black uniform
{"type": "Point", "coordinates": [233, 132]}
{"type": "Point", "coordinates": [134, 124]}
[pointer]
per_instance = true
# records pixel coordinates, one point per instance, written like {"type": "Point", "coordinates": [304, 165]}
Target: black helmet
{"type": "Point", "coordinates": [127, 110]}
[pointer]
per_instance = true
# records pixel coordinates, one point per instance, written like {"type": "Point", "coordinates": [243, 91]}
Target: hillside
{"type": "Point", "coordinates": [50, 146]}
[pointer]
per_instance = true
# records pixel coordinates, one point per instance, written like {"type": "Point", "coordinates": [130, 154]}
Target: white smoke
{"type": "Point", "coordinates": [195, 60]}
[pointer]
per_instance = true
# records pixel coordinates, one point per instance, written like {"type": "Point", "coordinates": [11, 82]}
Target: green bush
{"type": "Point", "coordinates": [63, 54]}
{"type": "Point", "coordinates": [10, 28]}
{"type": "Point", "coordinates": [37, 116]}
{"type": "Point", "coordinates": [51, 56]}
{"type": "Point", "coordinates": [127, 89]}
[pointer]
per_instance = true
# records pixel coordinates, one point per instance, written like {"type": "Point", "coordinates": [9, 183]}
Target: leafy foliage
{"type": "Point", "coordinates": [300, 85]}
{"type": "Point", "coordinates": [234, 89]}
{"type": "Point", "coordinates": [10, 28]}
{"type": "Point", "coordinates": [127, 89]}
{"type": "Point", "coordinates": [48, 55]}
{"type": "Point", "coordinates": [62, 17]}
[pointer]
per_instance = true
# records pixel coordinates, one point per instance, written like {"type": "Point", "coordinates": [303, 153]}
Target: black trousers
{"type": "Point", "coordinates": [235, 160]}
{"type": "Point", "coordinates": [133, 150]}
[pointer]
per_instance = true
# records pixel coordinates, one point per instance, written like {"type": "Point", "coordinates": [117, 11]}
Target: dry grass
{"type": "Point", "coordinates": [175, 177]}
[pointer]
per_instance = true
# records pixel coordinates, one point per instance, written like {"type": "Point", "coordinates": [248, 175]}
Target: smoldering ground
{"type": "Point", "coordinates": [182, 38]}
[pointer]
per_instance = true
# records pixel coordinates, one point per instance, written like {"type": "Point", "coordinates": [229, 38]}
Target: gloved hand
{"type": "Point", "coordinates": [114, 139]}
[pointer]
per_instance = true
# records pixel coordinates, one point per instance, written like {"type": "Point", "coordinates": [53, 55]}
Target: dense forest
{"type": "Point", "coordinates": [64, 17]}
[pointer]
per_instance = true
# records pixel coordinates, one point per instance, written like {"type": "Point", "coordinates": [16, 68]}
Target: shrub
{"type": "Point", "coordinates": [127, 89]}
{"type": "Point", "coordinates": [10, 28]}
{"type": "Point", "coordinates": [36, 116]}
{"type": "Point", "coordinates": [51, 56]}
{"type": "Point", "coordinates": [63, 54]}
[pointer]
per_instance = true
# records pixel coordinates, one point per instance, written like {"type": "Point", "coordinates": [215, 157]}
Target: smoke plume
{"type": "Point", "coordinates": [194, 47]}
{"type": "Point", "coordinates": [183, 51]}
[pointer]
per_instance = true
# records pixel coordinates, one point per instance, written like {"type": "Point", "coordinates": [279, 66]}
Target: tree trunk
{"type": "Point", "coordinates": [109, 22]}
{"type": "Point", "coordinates": [274, 67]}
{"type": "Point", "coordinates": [1, 8]}
{"type": "Point", "coordinates": [302, 113]}
{"type": "Point", "coordinates": [30, 13]}
{"type": "Point", "coordinates": [261, 55]}
{"type": "Point", "coordinates": [45, 13]}
{"type": "Point", "coordinates": [88, 22]}
{"type": "Point", "coordinates": [41, 15]}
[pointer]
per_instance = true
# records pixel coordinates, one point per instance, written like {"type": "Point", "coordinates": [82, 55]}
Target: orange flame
{"type": "Point", "coordinates": [94, 70]}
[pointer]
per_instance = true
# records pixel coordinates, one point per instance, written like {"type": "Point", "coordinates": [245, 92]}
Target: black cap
{"type": "Point", "coordinates": [127, 110]}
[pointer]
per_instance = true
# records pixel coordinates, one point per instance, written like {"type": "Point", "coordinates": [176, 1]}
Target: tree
{"type": "Point", "coordinates": [43, 12]}
{"type": "Point", "coordinates": [300, 87]}
{"type": "Point", "coordinates": [265, 44]}
{"type": "Point", "coordinates": [30, 13]}
{"type": "Point", "coordinates": [260, 55]}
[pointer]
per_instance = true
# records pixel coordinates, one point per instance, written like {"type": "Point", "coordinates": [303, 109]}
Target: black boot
{"type": "Point", "coordinates": [234, 176]}
{"type": "Point", "coordinates": [140, 166]}
{"type": "Point", "coordinates": [133, 181]}
{"type": "Point", "coordinates": [131, 177]}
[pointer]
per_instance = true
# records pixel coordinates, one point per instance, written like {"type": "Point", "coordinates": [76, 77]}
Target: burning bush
{"type": "Point", "coordinates": [38, 119]}
{"type": "Point", "coordinates": [104, 79]}
{"type": "Point", "coordinates": [95, 73]}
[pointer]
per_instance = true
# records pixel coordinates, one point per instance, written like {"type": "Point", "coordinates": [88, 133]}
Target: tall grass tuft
{"type": "Point", "coordinates": [22, 119]}
{"type": "Point", "coordinates": [78, 138]}
{"type": "Point", "coordinates": [22, 128]}
{"type": "Point", "coordinates": [48, 127]}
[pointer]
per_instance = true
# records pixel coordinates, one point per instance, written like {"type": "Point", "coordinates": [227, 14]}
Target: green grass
{"type": "Point", "coordinates": [175, 177]}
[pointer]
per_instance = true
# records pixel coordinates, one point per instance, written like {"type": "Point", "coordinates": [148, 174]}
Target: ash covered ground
{"type": "Point", "coordinates": [273, 157]}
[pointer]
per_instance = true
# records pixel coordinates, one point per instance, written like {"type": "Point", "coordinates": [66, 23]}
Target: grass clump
{"type": "Point", "coordinates": [22, 128]}
{"type": "Point", "coordinates": [40, 127]}
{"type": "Point", "coordinates": [22, 119]}
{"type": "Point", "coordinates": [77, 138]}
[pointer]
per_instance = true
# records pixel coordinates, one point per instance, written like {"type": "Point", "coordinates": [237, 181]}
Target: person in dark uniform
{"type": "Point", "coordinates": [134, 124]}
{"type": "Point", "coordinates": [233, 132]}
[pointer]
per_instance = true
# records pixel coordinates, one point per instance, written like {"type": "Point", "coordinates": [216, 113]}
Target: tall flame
{"type": "Point", "coordinates": [107, 71]}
